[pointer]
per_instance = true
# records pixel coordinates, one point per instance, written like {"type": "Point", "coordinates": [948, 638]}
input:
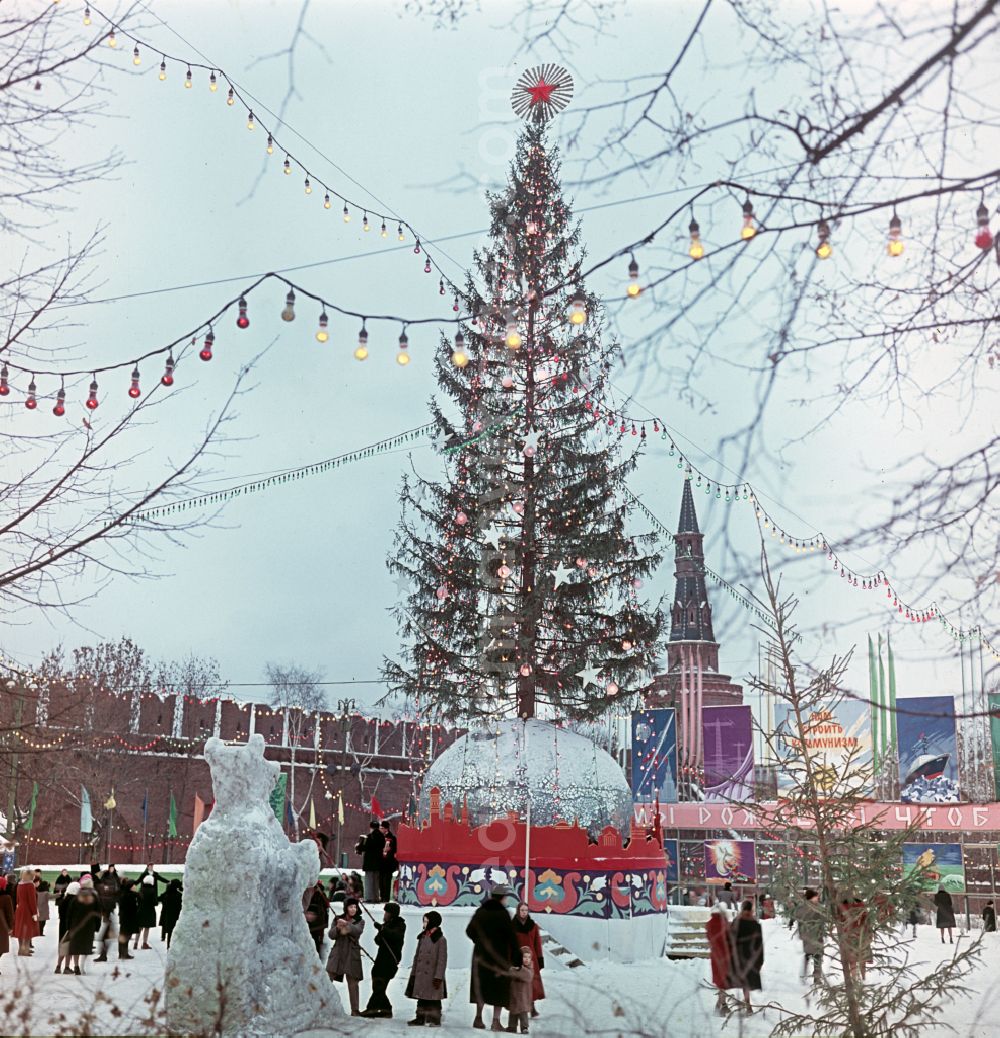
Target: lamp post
{"type": "Point", "coordinates": [346, 707]}
{"type": "Point", "coordinates": [110, 804]}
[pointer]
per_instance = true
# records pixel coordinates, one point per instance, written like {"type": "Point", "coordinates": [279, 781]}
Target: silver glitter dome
{"type": "Point", "coordinates": [564, 776]}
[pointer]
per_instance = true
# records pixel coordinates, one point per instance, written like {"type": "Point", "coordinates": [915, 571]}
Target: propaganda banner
{"type": "Point", "coordinates": [730, 861]}
{"type": "Point", "coordinates": [727, 733]}
{"type": "Point", "coordinates": [654, 756]}
{"type": "Point", "coordinates": [928, 761]}
{"type": "Point", "coordinates": [671, 852]}
{"type": "Point", "coordinates": [838, 740]}
{"type": "Point", "coordinates": [940, 865]}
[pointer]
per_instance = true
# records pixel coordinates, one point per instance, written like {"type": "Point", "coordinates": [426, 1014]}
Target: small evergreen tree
{"type": "Point", "coordinates": [523, 574]}
{"type": "Point", "coordinates": [872, 986]}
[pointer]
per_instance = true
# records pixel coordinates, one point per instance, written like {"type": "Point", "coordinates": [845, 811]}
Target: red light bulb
{"type": "Point", "coordinates": [242, 321]}
{"type": "Point", "coordinates": [427, 266]}
{"type": "Point", "coordinates": [4, 387]}
{"type": "Point", "coordinates": [92, 398]}
{"type": "Point", "coordinates": [984, 239]}
{"type": "Point", "coordinates": [167, 378]}
{"type": "Point", "coordinates": [31, 401]}
{"type": "Point", "coordinates": [60, 409]}
{"type": "Point", "coordinates": [206, 351]}
{"type": "Point", "coordinates": [133, 390]}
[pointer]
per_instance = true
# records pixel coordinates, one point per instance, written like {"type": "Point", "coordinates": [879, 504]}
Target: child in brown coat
{"type": "Point", "coordinates": [520, 993]}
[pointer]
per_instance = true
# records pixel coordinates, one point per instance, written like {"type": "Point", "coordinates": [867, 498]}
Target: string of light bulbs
{"type": "Point", "coordinates": [205, 330]}
{"type": "Point", "coordinates": [312, 183]}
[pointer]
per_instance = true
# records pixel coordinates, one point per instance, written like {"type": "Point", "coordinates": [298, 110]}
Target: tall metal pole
{"type": "Point", "coordinates": [527, 821]}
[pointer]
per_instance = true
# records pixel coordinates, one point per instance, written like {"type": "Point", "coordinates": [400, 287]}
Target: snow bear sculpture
{"type": "Point", "coordinates": [241, 961]}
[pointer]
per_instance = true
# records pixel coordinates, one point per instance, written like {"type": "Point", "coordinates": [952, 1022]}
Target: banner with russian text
{"type": "Point", "coordinates": [730, 861]}
{"type": "Point", "coordinates": [654, 755]}
{"type": "Point", "coordinates": [939, 864]}
{"type": "Point", "coordinates": [728, 741]}
{"type": "Point", "coordinates": [838, 740]}
{"type": "Point", "coordinates": [928, 760]}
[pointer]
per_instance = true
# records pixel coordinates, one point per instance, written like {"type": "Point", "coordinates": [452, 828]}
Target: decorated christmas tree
{"type": "Point", "coordinates": [522, 573]}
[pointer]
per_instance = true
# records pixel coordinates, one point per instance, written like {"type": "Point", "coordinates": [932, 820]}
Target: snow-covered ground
{"type": "Point", "coordinates": [653, 997]}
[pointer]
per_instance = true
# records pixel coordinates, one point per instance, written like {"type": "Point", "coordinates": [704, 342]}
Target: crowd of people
{"type": "Point", "coordinates": [507, 956]}
{"type": "Point", "coordinates": [97, 909]}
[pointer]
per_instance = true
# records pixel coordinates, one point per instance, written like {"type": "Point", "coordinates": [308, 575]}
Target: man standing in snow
{"type": "Point", "coordinates": [726, 897]}
{"type": "Point", "coordinates": [370, 848]}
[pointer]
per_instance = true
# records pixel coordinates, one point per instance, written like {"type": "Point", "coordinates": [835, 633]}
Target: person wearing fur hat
{"type": "Point", "coordinates": [345, 955]}
{"type": "Point", "coordinates": [495, 952]}
{"type": "Point", "coordinates": [391, 933]}
{"type": "Point", "coordinates": [530, 936]}
{"type": "Point", "coordinates": [6, 916]}
{"type": "Point", "coordinates": [147, 909]}
{"type": "Point", "coordinates": [83, 920]}
{"type": "Point", "coordinates": [427, 974]}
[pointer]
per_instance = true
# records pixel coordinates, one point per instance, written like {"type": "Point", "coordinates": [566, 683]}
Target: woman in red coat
{"type": "Point", "coordinates": [530, 936]}
{"type": "Point", "coordinates": [26, 913]}
{"type": "Point", "coordinates": [720, 943]}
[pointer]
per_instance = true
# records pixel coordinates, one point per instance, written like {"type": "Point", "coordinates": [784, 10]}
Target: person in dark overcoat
{"type": "Point", "coordinates": [945, 914]}
{"type": "Point", "coordinates": [529, 935]}
{"type": "Point", "coordinates": [427, 982]}
{"type": "Point", "coordinates": [387, 868]}
{"type": "Point", "coordinates": [317, 911]}
{"type": "Point", "coordinates": [83, 920]}
{"type": "Point", "coordinates": [128, 916]}
{"type": "Point", "coordinates": [61, 882]}
{"type": "Point", "coordinates": [370, 848]}
{"type": "Point", "coordinates": [495, 952]}
{"type": "Point", "coordinates": [720, 946]}
{"type": "Point", "coordinates": [63, 905]}
{"type": "Point", "coordinates": [6, 916]}
{"type": "Point", "coordinates": [812, 933]}
{"type": "Point", "coordinates": [989, 918]}
{"type": "Point", "coordinates": [748, 952]}
{"type": "Point", "coordinates": [26, 912]}
{"type": "Point", "coordinates": [344, 962]}
{"type": "Point", "coordinates": [391, 933]}
{"type": "Point", "coordinates": [170, 908]}
{"type": "Point", "coordinates": [42, 893]}
{"type": "Point", "coordinates": [147, 909]}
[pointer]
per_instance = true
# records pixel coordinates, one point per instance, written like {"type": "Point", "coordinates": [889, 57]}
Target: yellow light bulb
{"type": "Point", "coordinates": [213, 83]}
{"type": "Point", "coordinates": [696, 251]}
{"type": "Point", "coordinates": [112, 41]}
{"type": "Point", "coordinates": [308, 187]}
{"type": "Point", "coordinates": [136, 60]}
{"type": "Point", "coordinates": [895, 247]}
{"type": "Point", "coordinates": [251, 125]}
{"type": "Point", "coordinates": [459, 359]}
{"type": "Point", "coordinates": [361, 353]}
{"type": "Point", "coordinates": [270, 145]}
{"type": "Point", "coordinates": [326, 201]}
{"type": "Point", "coordinates": [322, 335]}
{"type": "Point", "coordinates": [402, 358]}
{"type": "Point", "coordinates": [230, 97]}
{"type": "Point", "coordinates": [163, 70]}
{"type": "Point", "coordinates": [633, 290]}
{"type": "Point", "coordinates": [188, 82]}
{"type": "Point", "coordinates": [86, 16]}
{"type": "Point", "coordinates": [748, 232]}
{"type": "Point", "coordinates": [385, 231]}
{"type": "Point", "coordinates": [347, 215]}
{"type": "Point", "coordinates": [578, 317]}
{"type": "Point", "coordinates": [513, 339]}
{"type": "Point", "coordinates": [824, 250]}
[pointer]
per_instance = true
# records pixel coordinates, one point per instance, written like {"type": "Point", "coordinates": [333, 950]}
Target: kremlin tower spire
{"type": "Point", "coordinates": [692, 679]}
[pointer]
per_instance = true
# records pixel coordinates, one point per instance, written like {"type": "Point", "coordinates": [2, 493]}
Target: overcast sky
{"type": "Point", "coordinates": [389, 110]}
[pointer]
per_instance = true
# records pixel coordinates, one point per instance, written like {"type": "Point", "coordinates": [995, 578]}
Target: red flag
{"type": "Point", "coordinates": [199, 813]}
{"type": "Point", "coordinates": [376, 807]}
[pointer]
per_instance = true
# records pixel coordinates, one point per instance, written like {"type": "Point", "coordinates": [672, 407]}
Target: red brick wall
{"type": "Point", "coordinates": [64, 753]}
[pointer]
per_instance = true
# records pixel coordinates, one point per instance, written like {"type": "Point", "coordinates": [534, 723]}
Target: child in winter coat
{"type": "Point", "coordinates": [520, 992]}
{"type": "Point", "coordinates": [344, 962]}
{"type": "Point", "coordinates": [427, 975]}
